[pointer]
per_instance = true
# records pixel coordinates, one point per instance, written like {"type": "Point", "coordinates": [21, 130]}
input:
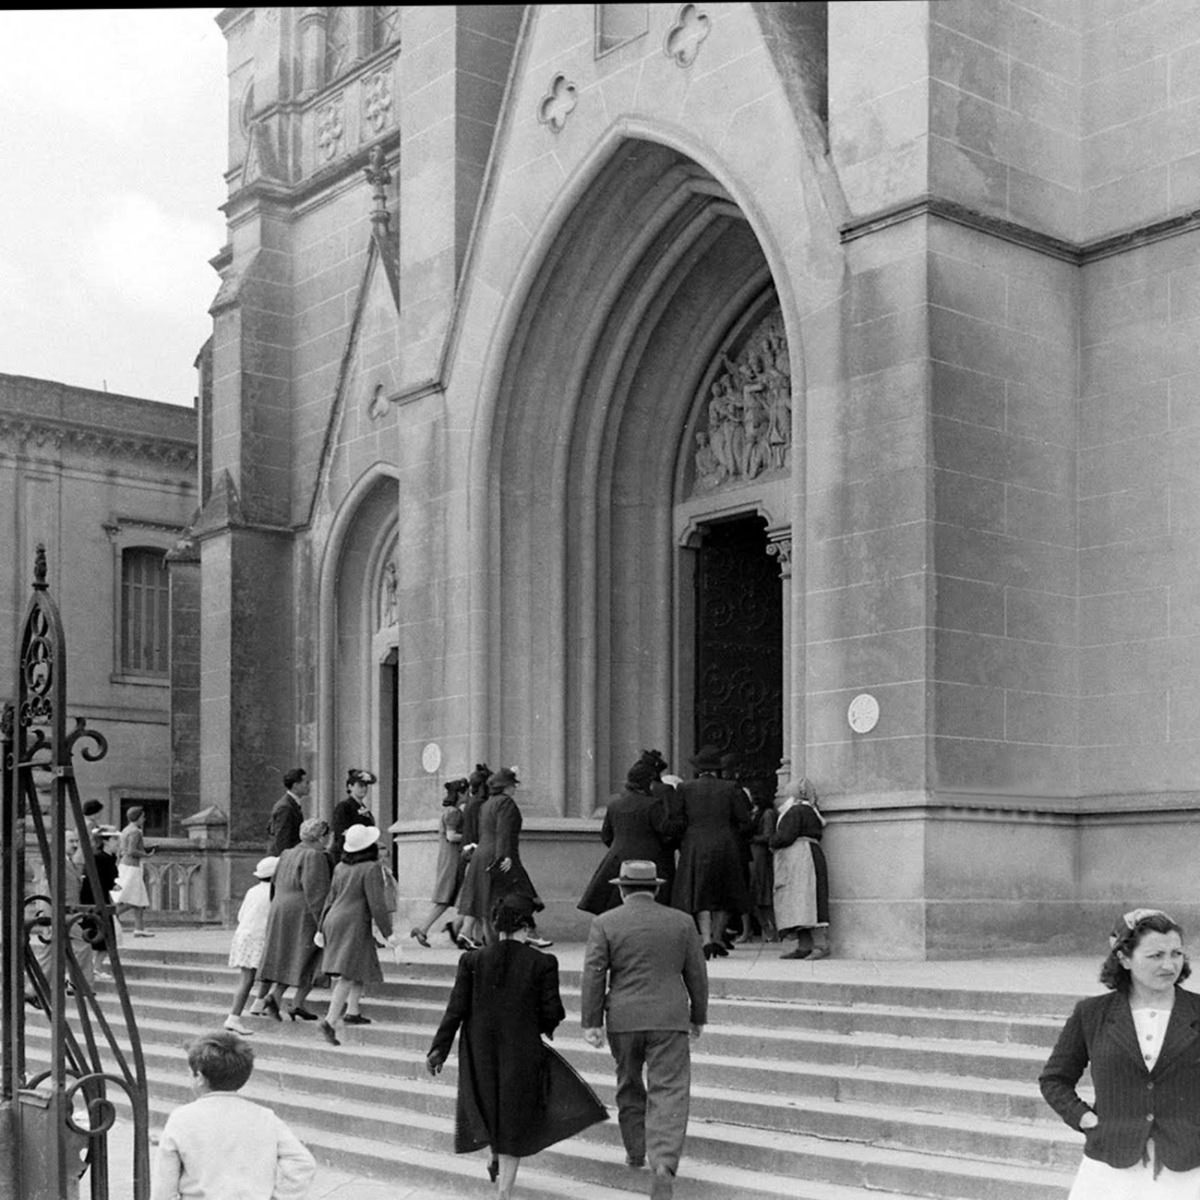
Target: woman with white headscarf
{"type": "Point", "coordinates": [801, 875]}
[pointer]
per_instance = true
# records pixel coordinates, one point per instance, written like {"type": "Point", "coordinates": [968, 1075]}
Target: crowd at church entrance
{"type": "Point", "coordinates": [690, 870]}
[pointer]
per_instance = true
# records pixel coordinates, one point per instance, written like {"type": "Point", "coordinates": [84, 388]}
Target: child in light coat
{"type": "Point", "coordinates": [222, 1145]}
{"type": "Point", "coordinates": [246, 949]}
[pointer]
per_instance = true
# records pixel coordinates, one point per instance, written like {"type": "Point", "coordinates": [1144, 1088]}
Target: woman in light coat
{"type": "Point", "coordinates": [357, 900]}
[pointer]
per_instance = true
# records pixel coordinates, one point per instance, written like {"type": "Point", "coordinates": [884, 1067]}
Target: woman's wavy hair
{"type": "Point", "coordinates": [1125, 938]}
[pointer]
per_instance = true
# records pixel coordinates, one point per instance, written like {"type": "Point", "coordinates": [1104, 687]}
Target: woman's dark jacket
{"type": "Point", "coordinates": [346, 812]}
{"type": "Point", "coordinates": [1132, 1103]}
{"type": "Point", "coordinates": [635, 826]}
{"type": "Point", "coordinates": [514, 1093]}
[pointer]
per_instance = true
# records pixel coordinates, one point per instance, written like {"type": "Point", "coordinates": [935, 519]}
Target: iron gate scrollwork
{"type": "Point", "coordinates": [55, 1105]}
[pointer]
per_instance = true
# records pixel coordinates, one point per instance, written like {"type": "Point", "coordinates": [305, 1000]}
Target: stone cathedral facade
{"type": "Point", "coordinates": [816, 380]}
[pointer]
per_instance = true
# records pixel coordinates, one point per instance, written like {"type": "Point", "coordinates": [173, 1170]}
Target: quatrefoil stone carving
{"type": "Point", "coordinates": [558, 103]}
{"type": "Point", "coordinates": [684, 37]}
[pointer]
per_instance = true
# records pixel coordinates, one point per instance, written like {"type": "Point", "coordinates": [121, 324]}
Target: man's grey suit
{"type": "Point", "coordinates": [644, 976]}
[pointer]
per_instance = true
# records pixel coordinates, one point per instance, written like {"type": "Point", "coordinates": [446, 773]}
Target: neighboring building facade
{"type": "Point", "coordinates": [107, 484]}
{"type": "Point", "coordinates": [817, 380]}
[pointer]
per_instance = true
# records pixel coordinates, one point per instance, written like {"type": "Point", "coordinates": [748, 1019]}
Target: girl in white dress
{"type": "Point", "coordinates": [246, 949]}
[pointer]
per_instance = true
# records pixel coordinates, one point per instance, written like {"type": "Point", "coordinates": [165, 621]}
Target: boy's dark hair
{"type": "Point", "coordinates": [293, 777]}
{"type": "Point", "coordinates": [222, 1058]}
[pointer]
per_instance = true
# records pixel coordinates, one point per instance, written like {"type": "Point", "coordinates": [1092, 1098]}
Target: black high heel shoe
{"type": "Point", "coordinates": [302, 1014]}
{"type": "Point", "coordinates": [327, 1032]}
{"type": "Point", "coordinates": [494, 1169]}
{"type": "Point", "coordinates": [448, 930]}
{"type": "Point", "coordinates": [271, 1008]}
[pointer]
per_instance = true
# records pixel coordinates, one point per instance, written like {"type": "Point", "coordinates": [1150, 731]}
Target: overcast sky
{"type": "Point", "coordinates": [112, 147]}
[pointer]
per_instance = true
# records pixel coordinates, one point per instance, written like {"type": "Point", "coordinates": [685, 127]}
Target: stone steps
{"type": "Point", "coordinates": [816, 1092]}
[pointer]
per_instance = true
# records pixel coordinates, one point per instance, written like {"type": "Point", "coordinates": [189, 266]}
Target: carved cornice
{"type": "Point", "coordinates": [26, 431]}
{"type": "Point", "coordinates": [1079, 254]}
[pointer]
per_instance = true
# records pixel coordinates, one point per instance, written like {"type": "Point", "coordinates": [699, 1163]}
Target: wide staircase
{"type": "Point", "coordinates": [802, 1089]}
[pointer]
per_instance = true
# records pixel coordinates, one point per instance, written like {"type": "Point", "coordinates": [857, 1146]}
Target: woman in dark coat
{"type": "Point", "coordinates": [356, 900]}
{"type": "Point", "coordinates": [708, 880]}
{"type": "Point", "coordinates": [472, 894]}
{"type": "Point", "coordinates": [499, 849]}
{"type": "Point", "coordinates": [301, 886]}
{"type": "Point", "coordinates": [514, 1093]}
{"type": "Point", "coordinates": [634, 827]}
{"type": "Point", "coordinates": [450, 864]}
{"type": "Point", "coordinates": [762, 874]}
{"type": "Point", "coordinates": [352, 809]}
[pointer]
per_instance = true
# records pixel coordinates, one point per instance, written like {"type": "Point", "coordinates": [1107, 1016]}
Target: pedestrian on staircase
{"type": "Point", "coordinates": [644, 975]}
{"type": "Point", "coordinates": [515, 1093]}
{"type": "Point", "coordinates": [352, 808]}
{"type": "Point", "coordinates": [131, 877]}
{"type": "Point", "coordinates": [290, 958]}
{"type": "Point", "coordinates": [801, 875]}
{"type": "Point", "coordinates": [634, 826]}
{"type": "Point", "coordinates": [473, 892]}
{"type": "Point", "coordinates": [222, 1145]}
{"type": "Point", "coordinates": [356, 903]}
{"type": "Point", "coordinates": [450, 864]}
{"type": "Point", "coordinates": [1141, 1131]}
{"type": "Point", "coordinates": [245, 951]}
{"type": "Point", "coordinates": [709, 884]}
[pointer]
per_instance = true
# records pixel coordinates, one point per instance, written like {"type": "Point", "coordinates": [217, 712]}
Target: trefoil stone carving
{"type": "Point", "coordinates": [558, 103]}
{"type": "Point", "coordinates": [329, 128]}
{"type": "Point", "coordinates": [377, 100]}
{"type": "Point", "coordinates": [746, 426]}
{"type": "Point", "coordinates": [684, 37]}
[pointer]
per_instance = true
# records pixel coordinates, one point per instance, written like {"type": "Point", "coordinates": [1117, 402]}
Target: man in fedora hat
{"type": "Point", "coordinates": [643, 971]}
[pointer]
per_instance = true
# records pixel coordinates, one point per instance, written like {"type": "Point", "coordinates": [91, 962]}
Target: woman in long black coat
{"type": "Point", "coordinates": [472, 892]}
{"type": "Point", "coordinates": [708, 880]}
{"type": "Point", "coordinates": [515, 1094]}
{"type": "Point", "coordinates": [635, 827]}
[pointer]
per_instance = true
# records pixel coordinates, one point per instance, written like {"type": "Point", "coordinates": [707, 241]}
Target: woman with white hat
{"type": "Point", "coordinates": [245, 951]}
{"type": "Point", "coordinates": [357, 899]}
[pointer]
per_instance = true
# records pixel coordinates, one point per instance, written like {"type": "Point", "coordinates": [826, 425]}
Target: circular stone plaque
{"type": "Point", "coordinates": [863, 713]}
{"type": "Point", "coordinates": [431, 757]}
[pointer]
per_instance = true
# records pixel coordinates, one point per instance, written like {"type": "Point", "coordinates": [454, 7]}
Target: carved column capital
{"type": "Point", "coordinates": [780, 546]}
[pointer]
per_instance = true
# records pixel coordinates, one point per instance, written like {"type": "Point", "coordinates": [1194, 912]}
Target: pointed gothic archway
{"type": "Point", "coordinates": [652, 278]}
{"type": "Point", "coordinates": [358, 651]}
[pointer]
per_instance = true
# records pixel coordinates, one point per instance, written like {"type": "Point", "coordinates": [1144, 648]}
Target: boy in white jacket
{"type": "Point", "coordinates": [222, 1146]}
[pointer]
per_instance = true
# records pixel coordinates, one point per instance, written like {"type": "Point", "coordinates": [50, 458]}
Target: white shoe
{"type": "Point", "coordinates": [235, 1026]}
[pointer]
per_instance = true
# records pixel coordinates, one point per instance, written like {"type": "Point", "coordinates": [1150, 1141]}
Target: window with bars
{"type": "Point", "coordinates": [145, 611]}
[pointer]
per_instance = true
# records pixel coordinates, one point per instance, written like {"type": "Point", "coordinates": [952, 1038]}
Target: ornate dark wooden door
{"type": "Point", "coordinates": [739, 659]}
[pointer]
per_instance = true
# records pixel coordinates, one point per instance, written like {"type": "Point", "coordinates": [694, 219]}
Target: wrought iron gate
{"type": "Point", "coordinates": [55, 1118]}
